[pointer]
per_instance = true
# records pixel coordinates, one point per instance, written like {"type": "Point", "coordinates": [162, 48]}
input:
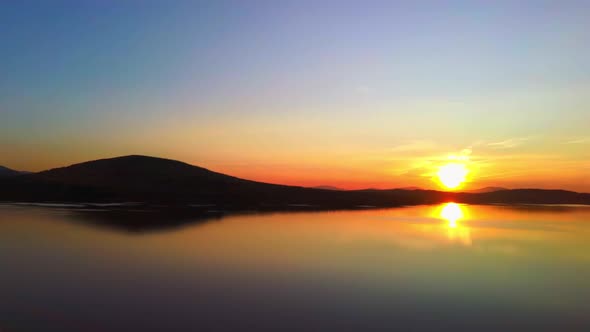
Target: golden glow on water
{"type": "Point", "coordinates": [307, 240]}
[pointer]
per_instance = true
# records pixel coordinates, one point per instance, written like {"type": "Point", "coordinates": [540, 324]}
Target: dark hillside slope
{"type": "Point", "coordinates": [163, 181]}
{"type": "Point", "coordinates": [133, 178]}
{"type": "Point", "coordinates": [137, 174]}
{"type": "Point", "coordinates": [5, 171]}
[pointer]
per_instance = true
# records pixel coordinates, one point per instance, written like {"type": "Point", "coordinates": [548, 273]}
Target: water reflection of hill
{"type": "Point", "coordinates": [143, 220]}
{"type": "Point", "coordinates": [540, 208]}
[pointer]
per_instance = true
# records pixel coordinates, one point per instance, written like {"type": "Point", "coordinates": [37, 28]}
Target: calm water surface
{"type": "Point", "coordinates": [426, 268]}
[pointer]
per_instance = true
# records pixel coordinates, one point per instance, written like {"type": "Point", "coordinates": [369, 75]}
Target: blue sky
{"type": "Point", "coordinates": [233, 84]}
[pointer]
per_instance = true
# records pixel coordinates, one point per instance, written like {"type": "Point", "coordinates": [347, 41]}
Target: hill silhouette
{"type": "Point", "coordinates": [486, 190]}
{"type": "Point", "coordinates": [5, 171]}
{"type": "Point", "coordinates": [158, 181]}
{"type": "Point", "coordinates": [327, 188]}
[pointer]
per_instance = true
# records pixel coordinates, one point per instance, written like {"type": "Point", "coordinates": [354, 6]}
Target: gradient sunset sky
{"type": "Point", "coordinates": [353, 94]}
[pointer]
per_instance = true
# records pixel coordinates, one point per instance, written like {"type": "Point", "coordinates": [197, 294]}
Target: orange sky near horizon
{"type": "Point", "coordinates": [509, 163]}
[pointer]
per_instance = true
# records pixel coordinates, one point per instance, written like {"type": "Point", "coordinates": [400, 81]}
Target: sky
{"type": "Point", "coordinates": [353, 94]}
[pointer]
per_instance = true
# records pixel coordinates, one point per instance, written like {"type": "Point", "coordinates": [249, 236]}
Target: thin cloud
{"type": "Point", "coordinates": [509, 143]}
{"type": "Point", "coordinates": [579, 141]}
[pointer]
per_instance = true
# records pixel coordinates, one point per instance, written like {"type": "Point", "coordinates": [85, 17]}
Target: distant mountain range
{"type": "Point", "coordinates": [160, 181]}
{"type": "Point", "coordinates": [486, 190]}
{"type": "Point", "coordinates": [327, 188]}
{"type": "Point", "coordinates": [410, 188]}
{"type": "Point", "coordinates": [481, 190]}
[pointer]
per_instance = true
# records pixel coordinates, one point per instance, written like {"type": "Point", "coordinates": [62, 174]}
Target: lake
{"type": "Point", "coordinates": [422, 268]}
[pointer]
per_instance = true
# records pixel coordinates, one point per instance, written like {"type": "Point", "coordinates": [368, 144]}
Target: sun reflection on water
{"type": "Point", "coordinates": [453, 213]}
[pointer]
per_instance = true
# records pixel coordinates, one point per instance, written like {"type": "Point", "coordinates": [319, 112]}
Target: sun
{"type": "Point", "coordinates": [452, 175]}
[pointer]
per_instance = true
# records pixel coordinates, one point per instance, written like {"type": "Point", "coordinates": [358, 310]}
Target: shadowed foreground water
{"type": "Point", "coordinates": [425, 268]}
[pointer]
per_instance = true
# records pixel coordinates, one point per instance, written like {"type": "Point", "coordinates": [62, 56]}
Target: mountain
{"type": "Point", "coordinates": [158, 181]}
{"type": "Point", "coordinates": [134, 173]}
{"type": "Point", "coordinates": [525, 196]}
{"type": "Point", "coordinates": [486, 190]}
{"type": "Point", "coordinates": [327, 188]}
{"type": "Point", "coordinates": [163, 181]}
{"type": "Point", "coordinates": [131, 178]}
{"type": "Point", "coordinates": [4, 171]}
{"type": "Point", "coordinates": [155, 180]}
